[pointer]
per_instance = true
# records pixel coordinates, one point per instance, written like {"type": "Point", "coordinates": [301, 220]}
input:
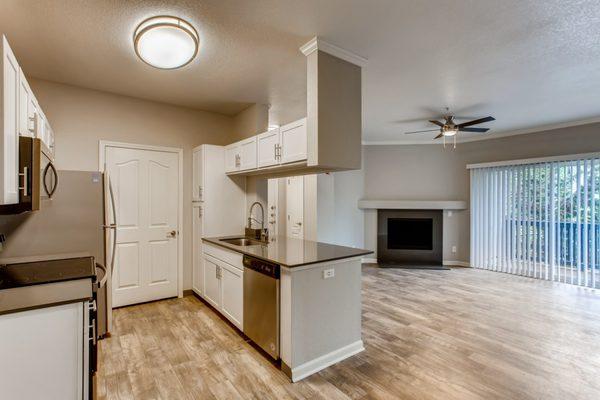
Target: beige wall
{"type": "Point", "coordinates": [430, 172]}
{"type": "Point", "coordinates": [251, 121]}
{"type": "Point", "coordinates": [82, 117]}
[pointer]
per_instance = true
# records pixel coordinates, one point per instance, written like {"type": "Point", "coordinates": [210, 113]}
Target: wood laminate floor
{"type": "Point", "coordinates": [459, 334]}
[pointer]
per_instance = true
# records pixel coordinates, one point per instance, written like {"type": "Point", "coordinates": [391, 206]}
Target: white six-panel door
{"type": "Point", "coordinates": [145, 184]}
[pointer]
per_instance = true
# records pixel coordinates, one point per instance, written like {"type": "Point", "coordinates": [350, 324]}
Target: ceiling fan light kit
{"type": "Point", "coordinates": [449, 128]}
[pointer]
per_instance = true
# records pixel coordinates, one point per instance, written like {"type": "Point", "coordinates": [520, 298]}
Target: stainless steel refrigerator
{"type": "Point", "coordinates": [79, 220]}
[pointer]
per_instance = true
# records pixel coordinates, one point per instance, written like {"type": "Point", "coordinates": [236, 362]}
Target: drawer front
{"type": "Point", "coordinates": [230, 257]}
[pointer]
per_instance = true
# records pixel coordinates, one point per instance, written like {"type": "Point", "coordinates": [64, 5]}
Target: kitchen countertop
{"type": "Point", "coordinates": [27, 283]}
{"type": "Point", "coordinates": [291, 252]}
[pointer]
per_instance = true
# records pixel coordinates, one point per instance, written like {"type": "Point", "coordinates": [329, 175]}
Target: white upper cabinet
{"type": "Point", "coordinates": [9, 138]}
{"type": "Point", "coordinates": [49, 135]}
{"type": "Point", "coordinates": [268, 146]}
{"type": "Point", "coordinates": [247, 154]}
{"type": "Point", "coordinates": [232, 157]}
{"type": "Point", "coordinates": [26, 121]}
{"type": "Point", "coordinates": [293, 142]}
{"type": "Point", "coordinates": [285, 145]}
{"type": "Point", "coordinates": [20, 115]}
{"type": "Point", "coordinates": [241, 156]}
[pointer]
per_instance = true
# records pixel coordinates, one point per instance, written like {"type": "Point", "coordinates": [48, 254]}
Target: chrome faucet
{"type": "Point", "coordinates": [262, 213]}
{"type": "Point", "coordinates": [264, 235]}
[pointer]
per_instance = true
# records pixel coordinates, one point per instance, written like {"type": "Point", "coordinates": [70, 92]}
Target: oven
{"type": "Point", "coordinates": [97, 311]}
{"type": "Point", "coordinates": [93, 348]}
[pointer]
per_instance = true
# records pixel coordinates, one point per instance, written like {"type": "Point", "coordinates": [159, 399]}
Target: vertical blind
{"type": "Point", "coordinates": [540, 220]}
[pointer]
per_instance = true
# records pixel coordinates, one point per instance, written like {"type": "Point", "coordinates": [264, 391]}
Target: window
{"type": "Point", "coordinates": [538, 219]}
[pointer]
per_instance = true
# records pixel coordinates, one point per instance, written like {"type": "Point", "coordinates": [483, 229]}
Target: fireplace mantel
{"type": "Point", "coordinates": [412, 204]}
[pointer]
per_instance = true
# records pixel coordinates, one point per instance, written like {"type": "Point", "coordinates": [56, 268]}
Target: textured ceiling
{"type": "Point", "coordinates": [528, 63]}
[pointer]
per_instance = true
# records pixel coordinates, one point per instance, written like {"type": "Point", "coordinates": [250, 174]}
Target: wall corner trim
{"type": "Point", "coordinates": [319, 44]}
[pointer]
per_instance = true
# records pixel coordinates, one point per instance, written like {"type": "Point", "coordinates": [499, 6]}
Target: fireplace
{"type": "Point", "coordinates": [409, 238]}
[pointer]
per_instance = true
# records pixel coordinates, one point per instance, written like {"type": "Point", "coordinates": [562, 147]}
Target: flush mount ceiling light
{"type": "Point", "coordinates": [166, 42]}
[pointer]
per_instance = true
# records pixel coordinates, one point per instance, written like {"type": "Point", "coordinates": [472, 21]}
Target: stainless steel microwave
{"type": "Point", "coordinates": [38, 178]}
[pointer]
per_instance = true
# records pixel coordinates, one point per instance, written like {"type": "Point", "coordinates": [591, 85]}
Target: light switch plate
{"type": "Point", "coordinates": [328, 273]}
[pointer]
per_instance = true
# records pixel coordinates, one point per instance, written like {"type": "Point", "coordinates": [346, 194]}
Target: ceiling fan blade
{"type": "Point", "coordinates": [438, 136]}
{"type": "Point", "coordinates": [438, 123]}
{"type": "Point", "coordinates": [473, 129]}
{"type": "Point", "coordinates": [427, 130]}
{"type": "Point", "coordinates": [477, 121]}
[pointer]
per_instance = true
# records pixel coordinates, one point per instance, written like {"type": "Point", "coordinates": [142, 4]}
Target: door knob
{"type": "Point", "coordinates": [172, 234]}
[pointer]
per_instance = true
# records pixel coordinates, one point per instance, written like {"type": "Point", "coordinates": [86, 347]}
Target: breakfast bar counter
{"type": "Point", "coordinates": [319, 297]}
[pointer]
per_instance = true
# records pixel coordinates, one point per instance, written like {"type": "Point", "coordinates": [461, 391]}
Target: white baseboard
{"type": "Point", "coordinates": [456, 263]}
{"type": "Point", "coordinates": [319, 363]}
{"type": "Point", "coordinates": [369, 260]}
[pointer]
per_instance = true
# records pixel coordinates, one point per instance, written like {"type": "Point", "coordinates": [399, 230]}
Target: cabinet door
{"type": "Point", "coordinates": [197, 175]}
{"type": "Point", "coordinates": [232, 154]}
{"type": "Point", "coordinates": [212, 283]}
{"type": "Point", "coordinates": [47, 133]}
{"type": "Point", "coordinates": [33, 116]}
{"type": "Point", "coordinates": [197, 261]}
{"type": "Point", "coordinates": [248, 154]}
{"type": "Point", "coordinates": [25, 98]}
{"type": "Point", "coordinates": [267, 144]}
{"type": "Point", "coordinates": [293, 142]}
{"type": "Point", "coordinates": [9, 130]}
{"type": "Point", "coordinates": [43, 353]}
{"type": "Point", "coordinates": [50, 134]}
{"type": "Point", "coordinates": [232, 294]}
{"type": "Point", "coordinates": [41, 127]}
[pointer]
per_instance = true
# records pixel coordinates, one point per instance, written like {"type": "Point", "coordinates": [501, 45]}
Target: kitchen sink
{"type": "Point", "coordinates": [243, 242]}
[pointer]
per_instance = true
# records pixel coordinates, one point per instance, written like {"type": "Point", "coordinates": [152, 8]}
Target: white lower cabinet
{"type": "Point", "coordinates": [44, 353]}
{"type": "Point", "coordinates": [212, 283]}
{"type": "Point", "coordinates": [232, 291]}
{"type": "Point", "coordinates": [224, 288]}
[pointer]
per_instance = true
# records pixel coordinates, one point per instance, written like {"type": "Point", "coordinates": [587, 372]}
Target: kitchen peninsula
{"type": "Point", "coordinates": [317, 296]}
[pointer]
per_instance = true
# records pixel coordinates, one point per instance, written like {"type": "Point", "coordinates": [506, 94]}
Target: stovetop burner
{"type": "Point", "coordinates": [39, 272]}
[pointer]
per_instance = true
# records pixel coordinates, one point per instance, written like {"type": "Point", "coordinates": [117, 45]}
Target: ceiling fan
{"type": "Point", "coordinates": [449, 128]}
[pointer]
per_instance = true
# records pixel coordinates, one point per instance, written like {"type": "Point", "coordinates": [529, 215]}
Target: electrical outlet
{"type": "Point", "coordinates": [454, 249]}
{"type": "Point", "coordinates": [328, 273]}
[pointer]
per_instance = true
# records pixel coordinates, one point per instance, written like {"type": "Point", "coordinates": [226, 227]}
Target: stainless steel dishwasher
{"type": "Point", "coordinates": [261, 304]}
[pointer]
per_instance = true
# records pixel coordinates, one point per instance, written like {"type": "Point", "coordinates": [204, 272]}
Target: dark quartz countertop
{"type": "Point", "coordinates": [291, 252]}
{"type": "Point", "coordinates": [21, 274]}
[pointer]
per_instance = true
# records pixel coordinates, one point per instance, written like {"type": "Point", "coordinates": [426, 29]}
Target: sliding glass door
{"type": "Point", "coordinates": [540, 220]}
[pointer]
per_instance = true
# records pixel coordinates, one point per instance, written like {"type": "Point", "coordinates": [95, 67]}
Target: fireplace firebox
{"type": "Point", "coordinates": [409, 238]}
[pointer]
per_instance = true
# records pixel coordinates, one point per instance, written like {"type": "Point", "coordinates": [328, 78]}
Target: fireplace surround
{"type": "Point", "coordinates": [409, 238]}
